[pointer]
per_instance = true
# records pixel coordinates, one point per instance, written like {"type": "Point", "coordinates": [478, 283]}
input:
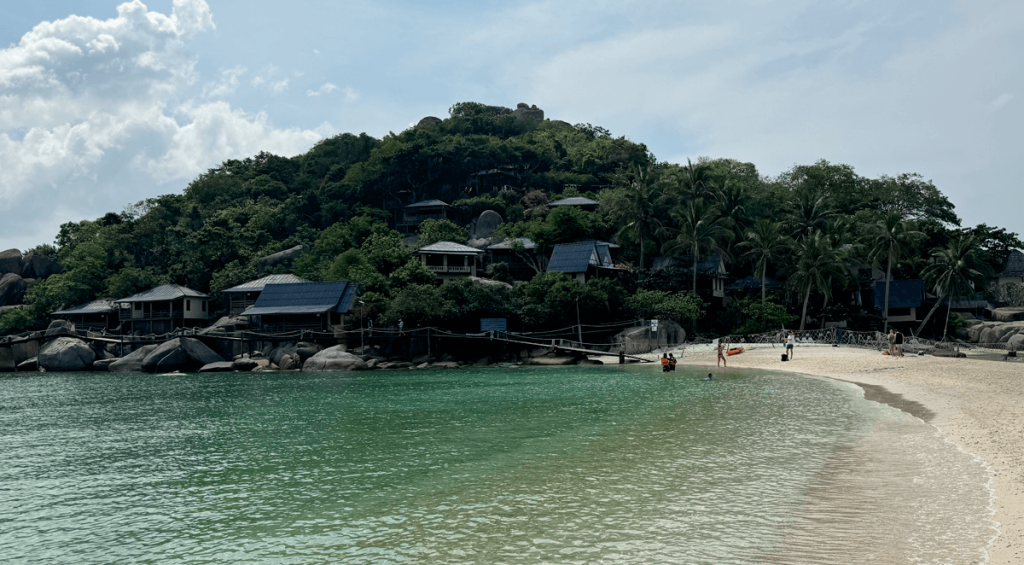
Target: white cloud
{"type": "Point", "coordinates": [327, 88]}
{"type": "Point", "coordinates": [92, 117]}
{"type": "Point", "coordinates": [226, 85]}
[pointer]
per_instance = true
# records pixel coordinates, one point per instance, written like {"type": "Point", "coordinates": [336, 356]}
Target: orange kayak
{"type": "Point", "coordinates": [736, 351]}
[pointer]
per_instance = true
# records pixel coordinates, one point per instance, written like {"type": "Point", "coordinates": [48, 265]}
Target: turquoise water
{"type": "Point", "coordinates": [524, 465]}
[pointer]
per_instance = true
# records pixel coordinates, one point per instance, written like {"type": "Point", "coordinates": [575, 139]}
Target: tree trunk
{"type": "Point", "coordinates": [945, 328]}
{"type": "Point", "coordinates": [930, 312]}
{"type": "Point", "coordinates": [640, 233]}
{"type": "Point", "coordinates": [823, 305]}
{"type": "Point", "coordinates": [807, 298]}
{"type": "Point", "coordinates": [764, 271]}
{"type": "Point", "coordinates": [888, 275]}
{"type": "Point", "coordinates": [695, 268]}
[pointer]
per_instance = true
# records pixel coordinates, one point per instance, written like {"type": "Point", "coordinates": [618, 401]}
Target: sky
{"type": "Point", "coordinates": [105, 103]}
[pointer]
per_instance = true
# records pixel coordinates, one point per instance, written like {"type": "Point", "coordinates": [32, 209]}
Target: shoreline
{"type": "Point", "coordinates": [974, 404]}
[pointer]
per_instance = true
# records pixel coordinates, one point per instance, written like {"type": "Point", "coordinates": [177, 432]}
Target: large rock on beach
{"type": "Point", "coordinates": [103, 364]}
{"type": "Point", "coordinates": [184, 354]}
{"type": "Point", "coordinates": [58, 328]}
{"type": "Point", "coordinates": [66, 354]}
{"type": "Point", "coordinates": [280, 259]}
{"type": "Point", "coordinates": [1015, 343]}
{"type": "Point", "coordinates": [11, 262]}
{"type": "Point", "coordinates": [39, 267]}
{"type": "Point", "coordinates": [1008, 314]}
{"type": "Point", "coordinates": [333, 359]}
{"type": "Point", "coordinates": [226, 324]}
{"type": "Point", "coordinates": [643, 340]}
{"type": "Point", "coordinates": [218, 367]}
{"type": "Point", "coordinates": [12, 288]}
{"type": "Point", "coordinates": [131, 363]}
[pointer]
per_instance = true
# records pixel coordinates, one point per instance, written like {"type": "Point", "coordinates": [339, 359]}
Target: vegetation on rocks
{"type": "Point", "coordinates": [817, 227]}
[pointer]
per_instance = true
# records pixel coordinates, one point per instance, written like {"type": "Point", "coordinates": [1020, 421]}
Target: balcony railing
{"type": "Point", "coordinates": [154, 315]}
{"type": "Point", "coordinates": [449, 269]}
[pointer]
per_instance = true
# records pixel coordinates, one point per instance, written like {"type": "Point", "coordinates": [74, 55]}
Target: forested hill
{"type": "Point", "coordinates": [337, 199]}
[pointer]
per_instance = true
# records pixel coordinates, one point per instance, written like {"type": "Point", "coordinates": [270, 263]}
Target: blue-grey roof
{"type": "Point", "coordinates": [427, 204]}
{"type": "Point", "coordinates": [258, 284]}
{"type": "Point", "coordinates": [1014, 265]}
{"type": "Point", "coordinates": [574, 201]}
{"type": "Point", "coordinates": [94, 307]}
{"type": "Point", "coordinates": [902, 294]}
{"type": "Point", "coordinates": [449, 248]}
{"type": "Point", "coordinates": [304, 298]}
{"type": "Point", "coordinates": [507, 243]}
{"type": "Point", "coordinates": [572, 258]}
{"type": "Point", "coordinates": [163, 292]}
{"type": "Point", "coordinates": [608, 243]}
{"type": "Point", "coordinates": [752, 282]}
{"type": "Point", "coordinates": [710, 264]}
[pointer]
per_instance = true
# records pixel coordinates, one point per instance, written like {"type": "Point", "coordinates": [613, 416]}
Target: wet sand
{"type": "Point", "coordinates": [976, 404]}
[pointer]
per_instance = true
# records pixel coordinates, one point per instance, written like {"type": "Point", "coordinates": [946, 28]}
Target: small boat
{"type": "Point", "coordinates": [735, 351]}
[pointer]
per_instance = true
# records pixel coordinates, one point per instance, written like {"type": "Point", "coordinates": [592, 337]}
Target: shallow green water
{"type": "Point", "coordinates": [526, 465]}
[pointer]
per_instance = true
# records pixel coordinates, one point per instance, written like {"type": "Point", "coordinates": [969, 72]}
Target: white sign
{"type": "Point", "coordinates": [654, 325]}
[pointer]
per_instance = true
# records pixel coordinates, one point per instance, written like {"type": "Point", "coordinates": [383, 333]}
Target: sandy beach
{"type": "Point", "coordinates": [976, 404]}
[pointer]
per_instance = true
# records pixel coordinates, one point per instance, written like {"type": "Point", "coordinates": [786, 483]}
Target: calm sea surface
{"type": "Point", "coordinates": [525, 465]}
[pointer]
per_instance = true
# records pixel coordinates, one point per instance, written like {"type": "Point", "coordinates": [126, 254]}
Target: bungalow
{"type": "Point", "coordinates": [711, 272]}
{"type": "Point", "coordinates": [411, 216]}
{"type": "Point", "coordinates": [450, 260]}
{"type": "Point", "coordinates": [1013, 272]}
{"type": "Point", "coordinates": [98, 315]}
{"type": "Point", "coordinates": [504, 253]}
{"type": "Point", "coordinates": [577, 201]}
{"type": "Point", "coordinates": [242, 297]}
{"type": "Point", "coordinates": [164, 309]}
{"type": "Point", "coordinates": [583, 259]}
{"type": "Point", "coordinates": [303, 306]}
{"type": "Point", "coordinates": [905, 297]}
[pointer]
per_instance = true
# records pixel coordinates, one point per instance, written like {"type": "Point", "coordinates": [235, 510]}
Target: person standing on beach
{"type": "Point", "coordinates": [891, 338]}
{"type": "Point", "coordinates": [721, 355]}
{"type": "Point", "coordinates": [790, 342]}
{"type": "Point", "coordinates": [898, 343]}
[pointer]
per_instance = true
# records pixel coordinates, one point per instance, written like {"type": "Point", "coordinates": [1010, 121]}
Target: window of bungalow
{"type": "Point", "coordinates": [188, 305]}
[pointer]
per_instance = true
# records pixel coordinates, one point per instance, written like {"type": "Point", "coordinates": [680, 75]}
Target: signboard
{"type": "Point", "coordinates": [493, 324]}
{"type": "Point", "coordinates": [654, 325]}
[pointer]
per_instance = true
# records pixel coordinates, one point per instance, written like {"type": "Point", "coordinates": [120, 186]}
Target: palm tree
{"type": "Point", "coordinates": [954, 271]}
{"type": "Point", "coordinates": [702, 228]}
{"type": "Point", "coordinates": [817, 264]}
{"type": "Point", "coordinates": [732, 200]}
{"type": "Point", "coordinates": [810, 212]}
{"type": "Point", "coordinates": [766, 243]}
{"type": "Point", "coordinates": [891, 237]}
{"type": "Point", "coordinates": [637, 208]}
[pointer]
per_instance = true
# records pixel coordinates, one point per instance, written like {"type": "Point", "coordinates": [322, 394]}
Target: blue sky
{"type": "Point", "coordinates": [104, 103]}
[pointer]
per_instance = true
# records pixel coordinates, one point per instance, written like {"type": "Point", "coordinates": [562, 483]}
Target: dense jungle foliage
{"type": "Point", "coordinates": [818, 228]}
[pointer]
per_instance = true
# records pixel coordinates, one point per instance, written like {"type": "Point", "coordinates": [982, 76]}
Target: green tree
{"type": "Point", "coordinates": [658, 304]}
{"type": "Point", "coordinates": [817, 264]}
{"type": "Point", "coordinates": [701, 229]}
{"type": "Point", "coordinates": [432, 231]}
{"type": "Point", "coordinates": [891, 237]}
{"type": "Point", "coordinates": [765, 242]}
{"type": "Point", "coordinates": [954, 271]}
{"type": "Point", "coordinates": [636, 208]}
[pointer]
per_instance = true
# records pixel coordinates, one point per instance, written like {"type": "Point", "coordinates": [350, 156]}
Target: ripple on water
{"type": "Point", "coordinates": [566, 465]}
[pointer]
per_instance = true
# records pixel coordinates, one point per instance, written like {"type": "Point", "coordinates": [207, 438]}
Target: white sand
{"type": "Point", "coordinates": [979, 405]}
